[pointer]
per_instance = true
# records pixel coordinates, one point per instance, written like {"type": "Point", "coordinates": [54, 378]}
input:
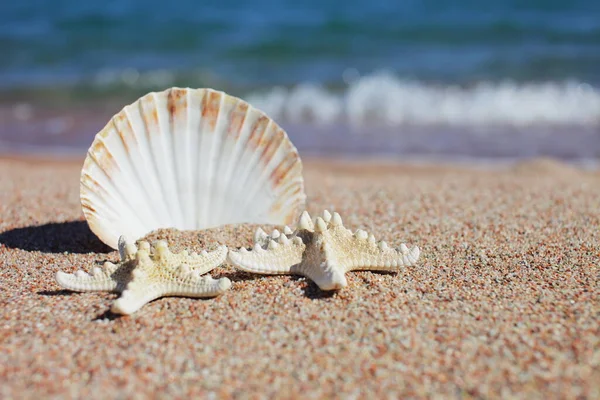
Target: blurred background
{"type": "Point", "coordinates": [432, 79]}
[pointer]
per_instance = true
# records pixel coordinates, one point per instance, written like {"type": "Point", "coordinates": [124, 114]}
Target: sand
{"type": "Point", "coordinates": [505, 301]}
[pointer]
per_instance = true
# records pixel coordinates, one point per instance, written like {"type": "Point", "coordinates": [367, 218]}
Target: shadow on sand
{"type": "Point", "coordinates": [109, 315]}
{"type": "Point", "coordinates": [313, 292]}
{"type": "Point", "coordinates": [72, 237]}
{"type": "Point", "coordinates": [62, 292]}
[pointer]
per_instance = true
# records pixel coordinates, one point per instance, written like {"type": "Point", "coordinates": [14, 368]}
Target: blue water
{"type": "Point", "coordinates": [432, 64]}
{"type": "Point", "coordinates": [266, 42]}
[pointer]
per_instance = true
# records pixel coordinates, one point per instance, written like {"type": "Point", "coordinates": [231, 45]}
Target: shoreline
{"type": "Point", "coordinates": [46, 131]}
{"type": "Point", "coordinates": [354, 161]}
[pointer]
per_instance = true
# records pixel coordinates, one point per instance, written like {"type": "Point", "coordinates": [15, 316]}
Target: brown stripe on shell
{"type": "Point", "coordinates": [294, 189]}
{"type": "Point", "coordinates": [103, 157]}
{"type": "Point", "coordinates": [273, 144]}
{"type": "Point", "coordinates": [177, 103]}
{"type": "Point", "coordinates": [258, 130]}
{"type": "Point", "coordinates": [278, 206]}
{"type": "Point", "coordinates": [236, 119]}
{"type": "Point", "coordinates": [296, 209]}
{"type": "Point", "coordinates": [210, 108]}
{"type": "Point", "coordinates": [149, 116]}
{"type": "Point", "coordinates": [87, 162]}
{"type": "Point", "coordinates": [149, 112]}
{"type": "Point", "coordinates": [87, 206]}
{"type": "Point", "coordinates": [93, 185]}
{"type": "Point", "coordinates": [283, 168]}
{"type": "Point", "coordinates": [122, 126]}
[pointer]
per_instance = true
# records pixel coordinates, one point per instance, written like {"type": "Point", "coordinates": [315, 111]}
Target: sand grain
{"type": "Point", "coordinates": [504, 302]}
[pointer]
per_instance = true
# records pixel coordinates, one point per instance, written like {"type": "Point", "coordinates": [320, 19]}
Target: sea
{"type": "Point", "coordinates": [402, 80]}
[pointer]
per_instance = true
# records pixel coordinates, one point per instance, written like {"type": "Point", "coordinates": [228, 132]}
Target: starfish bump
{"type": "Point", "coordinates": [322, 250]}
{"type": "Point", "coordinates": [150, 272]}
{"type": "Point", "coordinates": [263, 239]}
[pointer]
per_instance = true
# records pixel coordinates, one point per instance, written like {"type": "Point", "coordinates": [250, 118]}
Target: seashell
{"type": "Point", "coordinates": [189, 159]}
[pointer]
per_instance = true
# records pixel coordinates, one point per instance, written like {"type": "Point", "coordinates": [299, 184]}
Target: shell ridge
{"type": "Point", "coordinates": [92, 213]}
{"type": "Point", "coordinates": [88, 198]}
{"type": "Point", "coordinates": [289, 162]}
{"type": "Point", "coordinates": [200, 158]}
{"type": "Point", "coordinates": [107, 234]}
{"type": "Point", "coordinates": [149, 180]}
{"type": "Point", "coordinates": [188, 209]}
{"type": "Point", "coordinates": [286, 167]}
{"type": "Point", "coordinates": [193, 125]}
{"type": "Point", "coordinates": [174, 158]}
{"type": "Point", "coordinates": [290, 197]}
{"type": "Point", "coordinates": [261, 182]}
{"type": "Point", "coordinates": [253, 157]}
{"type": "Point", "coordinates": [234, 163]}
{"type": "Point", "coordinates": [119, 195]}
{"type": "Point", "coordinates": [227, 155]}
{"type": "Point", "coordinates": [210, 139]}
{"type": "Point", "coordinates": [217, 205]}
{"type": "Point", "coordinates": [150, 213]}
{"type": "Point", "coordinates": [287, 192]}
{"type": "Point", "coordinates": [155, 167]}
{"type": "Point", "coordinates": [241, 146]}
{"type": "Point", "coordinates": [216, 154]}
{"type": "Point", "coordinates": [91, 197]}
{"type": "Point", "coordinates": [114, 146]}
{"type": "Point", "coordinates": [169, 176]}
{"type": "Point", "coordinates": [87, 181]}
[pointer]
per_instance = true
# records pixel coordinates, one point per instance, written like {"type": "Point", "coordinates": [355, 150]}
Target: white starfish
{"type": "Point", "coordinates": [322, 251]}
{"type": "Point", "coordinates": [149, 273]}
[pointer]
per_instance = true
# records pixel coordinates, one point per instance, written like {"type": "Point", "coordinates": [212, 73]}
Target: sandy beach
{"type": "Point", "coordinates": [504, 302]}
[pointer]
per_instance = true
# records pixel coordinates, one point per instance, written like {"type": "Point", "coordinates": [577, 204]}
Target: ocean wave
{"type": "Point", "coordinates": [382, 98]}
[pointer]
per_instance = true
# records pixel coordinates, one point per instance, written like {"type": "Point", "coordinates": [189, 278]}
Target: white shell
{"type": "Point", "coordinates": [189, 159]}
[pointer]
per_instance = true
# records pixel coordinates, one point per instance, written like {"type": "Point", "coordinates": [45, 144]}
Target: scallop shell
{"type": "Point", "coordinates": [189, 159]}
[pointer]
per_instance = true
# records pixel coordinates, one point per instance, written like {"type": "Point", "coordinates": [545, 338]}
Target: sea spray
{"type": "Point", "coordinates": [383, 99]}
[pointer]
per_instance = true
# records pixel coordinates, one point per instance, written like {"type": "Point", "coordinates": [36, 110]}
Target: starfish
{"type": "Point", "coordinates": [323, 251]}
{"type": "Point", "coordinates": [149, 273]}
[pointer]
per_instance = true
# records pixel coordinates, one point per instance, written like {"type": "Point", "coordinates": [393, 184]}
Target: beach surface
{"type": "Point", "coordinates": [504, 302]}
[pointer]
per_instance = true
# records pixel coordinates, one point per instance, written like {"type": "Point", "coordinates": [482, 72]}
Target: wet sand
{"type": "Point", "coordinates": [51, 126]}
{"type": "Point", "coordinates": [505, 301]}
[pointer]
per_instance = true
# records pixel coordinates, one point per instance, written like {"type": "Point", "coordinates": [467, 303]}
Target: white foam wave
{"type": "Point", "coordinates": [384, 99]}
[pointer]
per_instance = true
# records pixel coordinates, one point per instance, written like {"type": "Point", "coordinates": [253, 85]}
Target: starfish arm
{"type": "Point", "coordinates": [109, 277]}
{"type": "Point", "coordinates": [167, 262]}
{"type": "Point", "coordinates": [277, 258]}
{"type": "Point", "coordinates": [139, 292]}
{"type": "Point", "coordinates": [386, 260]}
{"type": "Point", "coordinates": [321, 268]}
{"type": "Point", "coordinates": [360, 251]}
{"type": "Point", "coordinates": [348, 251]}
{"type": "Point", "coordinates": [205, 261]}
